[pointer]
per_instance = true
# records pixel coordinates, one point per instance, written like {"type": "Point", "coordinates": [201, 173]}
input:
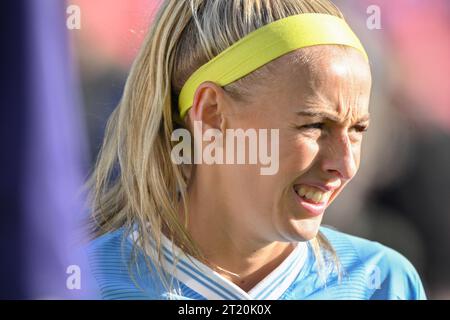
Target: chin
{"type": "Point", "coordinates": [305, 229]}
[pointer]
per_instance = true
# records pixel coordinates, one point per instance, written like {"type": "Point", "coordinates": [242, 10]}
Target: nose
{"type": "Point", "coordinates": [339, 159]}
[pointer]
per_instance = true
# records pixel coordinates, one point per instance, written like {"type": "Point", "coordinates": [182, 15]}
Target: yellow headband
{"type": "Point", "coordinates": [266, 44]}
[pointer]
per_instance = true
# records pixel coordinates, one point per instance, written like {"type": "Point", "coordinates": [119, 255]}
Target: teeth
{"type": "Point", "coordinates": [317, 196]}
{"type": "Point", "coordinates": [302, 191]}
{"type": "Point", "coordinates": [311, 193]}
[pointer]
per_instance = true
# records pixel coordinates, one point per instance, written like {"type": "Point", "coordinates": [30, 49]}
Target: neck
{"type": "Point", "coordinates": [231, 248]}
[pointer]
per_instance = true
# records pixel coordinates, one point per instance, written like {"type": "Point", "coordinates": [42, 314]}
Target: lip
{"type": "Point", "coordinates": [313, 209]}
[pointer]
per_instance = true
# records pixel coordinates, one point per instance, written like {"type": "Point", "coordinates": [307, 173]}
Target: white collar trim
{"type": "Point", "coordinates": [211, 285]}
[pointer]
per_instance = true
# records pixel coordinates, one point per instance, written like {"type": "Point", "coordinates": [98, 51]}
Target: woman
{"type": "Point", "coordinates": [293, 78]}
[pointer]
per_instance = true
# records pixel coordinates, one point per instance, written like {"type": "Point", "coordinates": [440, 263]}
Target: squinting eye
{"type": "Point", "coordinates": [360, 128]}
{"type": "Point", "coordinates": [318, 125]}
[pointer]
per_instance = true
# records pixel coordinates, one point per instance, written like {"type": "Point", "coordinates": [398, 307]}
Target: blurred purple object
{"type": "Point", "coordinates": [56, 158]}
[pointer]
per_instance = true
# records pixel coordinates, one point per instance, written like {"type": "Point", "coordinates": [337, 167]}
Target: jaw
{"type": "Point", "coordinates": [304, 229]}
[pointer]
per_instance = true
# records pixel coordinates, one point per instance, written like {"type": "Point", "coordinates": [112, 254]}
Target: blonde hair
{"type": "Point", "coordinates": [135, 184]}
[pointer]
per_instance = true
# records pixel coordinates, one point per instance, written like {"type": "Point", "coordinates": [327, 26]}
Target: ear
{"type": "Point", "coordinates": [208, 105]}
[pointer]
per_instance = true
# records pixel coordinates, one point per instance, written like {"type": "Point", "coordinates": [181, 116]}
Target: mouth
{"type": "Point", "coordinates": [312, 199]}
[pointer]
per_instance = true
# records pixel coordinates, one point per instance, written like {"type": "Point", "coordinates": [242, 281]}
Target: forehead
{"type": "Point", "coordinates": [334, 78]}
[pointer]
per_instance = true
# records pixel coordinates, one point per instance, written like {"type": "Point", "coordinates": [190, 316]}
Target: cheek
{"type": "Point", "coordinates": [298, 152]}
{"type": "Point", "coordinates": [356, 153]}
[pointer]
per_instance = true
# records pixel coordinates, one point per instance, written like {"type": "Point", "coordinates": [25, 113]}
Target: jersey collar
{"type": "Point", "coordinates": [211, 285]}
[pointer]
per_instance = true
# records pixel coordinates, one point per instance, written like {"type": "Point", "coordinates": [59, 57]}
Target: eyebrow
{"type": "Point", "coordinates": [328, 115]}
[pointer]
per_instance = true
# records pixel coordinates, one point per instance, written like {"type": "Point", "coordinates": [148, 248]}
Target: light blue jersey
{"type": "Point", "coordinates": [369, 270]}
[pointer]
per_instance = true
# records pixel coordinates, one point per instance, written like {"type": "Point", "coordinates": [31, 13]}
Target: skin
{"type": "Point", "coordinates": [245, 222]}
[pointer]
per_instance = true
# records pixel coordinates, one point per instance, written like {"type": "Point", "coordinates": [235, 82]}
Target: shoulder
{"type": "Point", "coordinates": [113, 265]}
{"type": "Point", "coordinates": [381, 272]}
{"type": "Point", "coordinates": [109, 244]}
